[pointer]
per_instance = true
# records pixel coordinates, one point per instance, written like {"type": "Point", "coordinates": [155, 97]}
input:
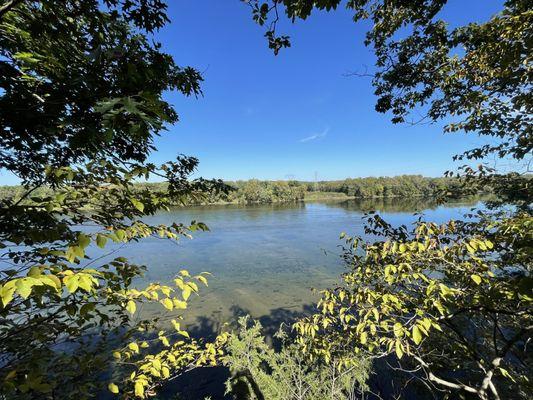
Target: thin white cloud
{"type": "Point", "coordinates": [315, 136]}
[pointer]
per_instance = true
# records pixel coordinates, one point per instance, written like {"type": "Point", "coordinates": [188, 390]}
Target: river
{"type": "Point", "coordinates": [265, 259]}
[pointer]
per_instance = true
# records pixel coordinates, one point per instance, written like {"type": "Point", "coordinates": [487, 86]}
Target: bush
{"type": "Point", "coordinates": [259, 372]}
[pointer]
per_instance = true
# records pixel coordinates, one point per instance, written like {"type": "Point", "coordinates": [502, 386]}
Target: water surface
{"type": "Point", "coordinates": [266, 259]}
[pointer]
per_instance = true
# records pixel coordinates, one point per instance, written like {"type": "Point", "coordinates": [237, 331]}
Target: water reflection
{"type": "Point", "coordinates": [267, 257]}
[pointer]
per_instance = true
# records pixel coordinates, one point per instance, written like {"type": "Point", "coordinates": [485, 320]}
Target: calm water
{"type": "Point", "coordinates": [266, 259]}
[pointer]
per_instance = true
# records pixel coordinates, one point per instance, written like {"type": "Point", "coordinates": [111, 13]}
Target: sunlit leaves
{"type": "Point", "coordinates": [131, 307]}
{"type": "Point", "coordinates": [113, 388]}
{"type": "Point", "coordinates": [167, 303]}
{"type": "Point", "coordinates": [133, 347]}
{"type": "Point", "coordinates": [476, 278]}
{"type": "Point", "coordinates": [398, 293]}
{"type": "Point", "coordinates": [416, 334]}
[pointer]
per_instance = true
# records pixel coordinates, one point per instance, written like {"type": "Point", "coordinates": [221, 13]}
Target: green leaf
{"type": "Point", "coordinates": [120, 234]}
{"type": "Point", "coordinates": [84, 240]}
{"type": "Point", "coordinates": [101, 241]}
{"type": "Point", "coordinates": [24, 288]}
{"type": "Point", "coordinates": [137, 204]}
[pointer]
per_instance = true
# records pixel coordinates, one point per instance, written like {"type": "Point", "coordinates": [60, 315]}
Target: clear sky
{"type": "Point", "coordinates": [271, 117]}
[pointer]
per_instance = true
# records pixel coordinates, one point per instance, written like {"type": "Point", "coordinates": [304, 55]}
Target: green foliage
{"type": "Point", "coordinates": [80, 102]}
{"type": "Point", "coordinates": [260, 372]}
{"type": "Point", "coordinates": [261, 192]}
{"type": "Point", "coordinates": [438, 285]}
{"type": "Point", "coordinates": [452, 302]}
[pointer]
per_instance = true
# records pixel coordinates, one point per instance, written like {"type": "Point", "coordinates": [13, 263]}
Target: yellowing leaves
{"type": "Point", "coordinates": [417, 335]}
{"type": "Point", "coordinates": [167, 303]}
{"type": "Point", "coordinates": [179, 304]}
{"type": "Point", "coordinates": [186, 292]}
{"type": "Point", "coordinates": [398, 329]}
{"type": "Point", "coordinates": [81, 280]}
{"type": "Point", "coordinates": [137, 204]}
{"type": "Point", "coordinates": [139, 389]}
{"type": "Point", "coordinates": [7, 293]}
{"type": "Point", "coordinates": [131, 307]}
{"type": "Point", "coordinates": [399, 349]}
{"type": "Point", "coordinates": [202, 279]}
{"type": "Point", "coordinates": [101, 240]}
{"type": "Point", "coordinates": [113, 388]}
{"type": "Point", "coordinates": [24, 287]}
{"type": "Point", "coordinates": [133, 347]}
{"type": "Point", "coordinates": [476, 278]}
{"type": "Point", "coordinates": [71, 283]}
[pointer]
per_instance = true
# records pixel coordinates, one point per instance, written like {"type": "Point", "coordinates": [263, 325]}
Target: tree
{"type": "Point", "coordinates": [452, 300]}
{"type": "Point", "coordinates": [289, 374]}
{"type": "Point", "coordinates": [81, 99]}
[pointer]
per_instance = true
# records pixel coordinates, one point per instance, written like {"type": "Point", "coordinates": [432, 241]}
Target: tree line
{"type": "Point", "coordinates": [256, 191]}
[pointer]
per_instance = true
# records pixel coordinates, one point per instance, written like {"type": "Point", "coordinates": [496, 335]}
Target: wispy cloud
{"type": "Point", "coordinates": [315, 136]}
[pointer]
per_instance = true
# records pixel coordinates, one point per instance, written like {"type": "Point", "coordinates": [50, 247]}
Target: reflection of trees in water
{"type": "Point", "coordinates": [399, 204]}
{"type": "Point", "coordinates": [208, 328]}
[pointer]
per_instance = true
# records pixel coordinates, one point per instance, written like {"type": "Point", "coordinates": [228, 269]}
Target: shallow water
{"type": "Point", "coordinates": [265, 259]}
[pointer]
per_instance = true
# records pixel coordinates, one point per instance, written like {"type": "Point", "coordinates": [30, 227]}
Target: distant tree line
{"type": "Point", "coordinates": [256, 191]}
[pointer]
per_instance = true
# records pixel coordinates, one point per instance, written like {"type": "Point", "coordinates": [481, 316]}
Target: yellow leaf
{"type": "Point", "coordinates": [181, 305]}
{"type": "Point", "coordinates": [476, 278]}
{"type": "Point", "coordinates": [113, 388]}
{"type": "Point", "coordinates": [134, 347]}
{"type": "Point", "coordinates": [71, 282]}
{"type": "Point", "coordinates": [6, 294]}
{"type": "Point", "coordinates": [139, 389]}
{"type": "Point", "coordinates": [202, 279]}
{"type": "Point", "coordinates": [131, 307]}
{"type": "Point", "coordinates": [398, 329]}
{"type": "Point", "coordinates": [176, 324]}
{"type": "Point", "coordinates": [399, 349]}
{"type": "Point", "coordinates": [85, 283]}
{"type": "Point", "coordinates": [417, 335]}
{"type": "Point", "coordinates": [167, 303]}
{"type": "Point", "coordinates": [23, 287]}
{"type": "Point", "coordinates": [186, 293]}
{"type": "Point", "coordinates": [364, 337]}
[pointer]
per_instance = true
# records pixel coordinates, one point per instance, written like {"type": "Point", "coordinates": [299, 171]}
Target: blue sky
{"type": "Point", "coordinates": [270, 117]}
